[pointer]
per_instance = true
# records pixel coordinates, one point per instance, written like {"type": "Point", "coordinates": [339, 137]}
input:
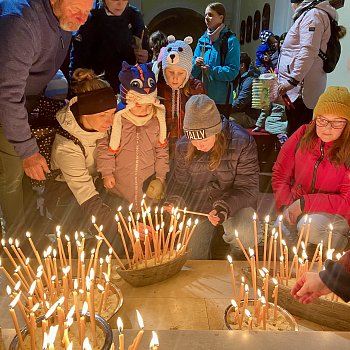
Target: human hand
{"type": "Point", "coordinates": [309, 287]}
{"type": "Point", "coordinates": [35, 166]}
{"type": "Point", "coordinates": [141, 55]}
{"type": "Point", "coordinates": [199, 61]}
{"type": "Point", "coordinates": [283, 88]}
{"type": "Point", "coordinates": [213, 218]}
{"type": "Point", "coordinates": [205, 68]}
{"type": "Point", "coordinates": [168, 207]}
{"type": "Point", "coordinates": [109, 181]}
{"type": "Point", "coordinates": [292, 212]}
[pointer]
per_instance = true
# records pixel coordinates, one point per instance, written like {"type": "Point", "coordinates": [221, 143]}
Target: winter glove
{"type": "Point", "coordinates": [155, 190]}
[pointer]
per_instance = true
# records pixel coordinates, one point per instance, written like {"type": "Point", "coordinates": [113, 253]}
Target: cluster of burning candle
{"type": "Point", "coordinates": [281, 272]}
{"type": "Point", "coordinates": [159, 243]}
{"type": "Point", "coordinates": [154, 344]}
{"type": "Point", "coordinates": [51, 290]}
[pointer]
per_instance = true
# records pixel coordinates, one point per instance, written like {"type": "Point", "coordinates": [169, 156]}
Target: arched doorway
{"type": "Point", "coordinates": [180, 22]}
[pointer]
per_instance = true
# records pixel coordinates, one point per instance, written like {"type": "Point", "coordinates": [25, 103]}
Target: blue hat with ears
{"type": "Point", "coordinates": [264, 35]}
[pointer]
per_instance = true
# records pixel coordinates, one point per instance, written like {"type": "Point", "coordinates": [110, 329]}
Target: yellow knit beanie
{"type": "Point", "coordinates": [335, 100]}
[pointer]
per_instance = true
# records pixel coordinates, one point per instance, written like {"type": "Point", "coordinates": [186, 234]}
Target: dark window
{"type": "Point", "coordinates": [266, 17]}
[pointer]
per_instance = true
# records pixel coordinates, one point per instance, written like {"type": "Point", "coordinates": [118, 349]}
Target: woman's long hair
{"type": "Point", "coordinates": [338, 154]}
{"type": "Point", "coordinates": [216, 152]}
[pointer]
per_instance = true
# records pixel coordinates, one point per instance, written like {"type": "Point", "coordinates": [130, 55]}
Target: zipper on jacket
{"type": "Point", "coordinates": [319, 160]}
{"type": "Point", "coordinates": [137, 160]}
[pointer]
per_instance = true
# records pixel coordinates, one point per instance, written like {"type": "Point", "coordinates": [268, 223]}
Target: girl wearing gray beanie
{"type": "Point", "coordinates": [216, 173]}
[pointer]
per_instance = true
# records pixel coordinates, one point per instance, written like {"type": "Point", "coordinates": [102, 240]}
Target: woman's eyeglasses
{"type": "Point", "coordinates": [336, 124]}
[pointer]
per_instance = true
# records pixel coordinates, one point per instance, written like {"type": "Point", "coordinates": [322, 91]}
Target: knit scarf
{"type": "Point", "coordinates": [158, 111]}
{"type": "Point", "coordinates": [138, 121]}
{"type": "Point", "coordinates": [214, 34]}
{"type": "Point", "coordinates": [304, 6]}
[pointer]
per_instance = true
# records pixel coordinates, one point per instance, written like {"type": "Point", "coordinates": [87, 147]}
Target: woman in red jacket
{"type": "Point", "coordinates": [312, 175]}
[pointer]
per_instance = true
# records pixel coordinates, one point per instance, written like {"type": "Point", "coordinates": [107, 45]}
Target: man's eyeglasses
{"type": "Point", "coordinates": [336, 124]}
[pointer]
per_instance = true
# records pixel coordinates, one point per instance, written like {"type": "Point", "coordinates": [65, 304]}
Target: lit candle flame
{"type": "Point", "coordinates": [28, 234]}
{"type": "Point", "coordinates": [233, 303]}
{"type": "Point", "coordinates": [70, 313]}
{"type": "Point", "coordinates": [274, 280]}
{"type": "Point", "coordinates": [262, 273]}
{"type": "Point", "coordinates": [247, 313]}
{"type": "Point", "coordinates": [15, 300]}
{"type": "Point", "coordinates": [100, 288]}
{"type": "Point", "coordinates": [263, 300]}
{"type": "Point", "coordinates": [85, 308]}
{"type": "Point", "coordinates": [254, 216]}
{"type": "Point", "coordinates": [305, 220]}
{"type": "Point", "coordinates": [35, 308]}
{"type": "Point", "coordinates": [17, 286]}
{"type": "Point", "coordinates": [93, 219]}
{"type": "Point", "coordinates": [229, 258]}
{"type": "Point", "coordinates": [10, 241]}
{"type": "Point", "coordinates": [52, 334]}
{"type": "Point", "coordinates": [331, 227]}
{"type": "Point", "coordinates": [32, 288]}
{"type": "Point", "coordinates": [67, 238]}
{"type": "Point", "coordinates": [86, 344]}
{"type": "Point", "coordinates": [251, 252]}
{"type": "Point", "coordinates": [330, 253]}
{"type": "Point", "coordinates": [280, 218]}
{"type": "Point", "coordinates": [295, 250]}
{"type": "Point", "coordinates": [137, 235]}
{"type": "Point", "coordinates": [154, 341]}
{"type": "Point", "coordinates": [267, 219]}
{"type": "Point", "coordinates": [236, 233]}
{"type": "Point", "coordinates": [139, 319]}
{"type": "Point", "coordinates": [8, 290]}
{"type": "Point", "coordinates": [130, 206]}
{"type": "Point", "coordinates": [259, 293]}
{"type": "Point", "coordinates": [246, 288]}
{"type": "Point", "coordinates": [120, 325]}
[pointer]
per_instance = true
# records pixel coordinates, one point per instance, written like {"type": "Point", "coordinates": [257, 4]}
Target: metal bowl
{"type": "Point", "coordinates": [289, 318]}
{"type": "Point", "coordinates": [100, 322]}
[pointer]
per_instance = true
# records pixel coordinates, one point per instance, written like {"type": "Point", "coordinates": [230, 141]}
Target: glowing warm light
{"type": "Point", "coordinates": [120, 325]}
{"type": "Point", "coordinates": [70, 313]}
{"type": "Point", "coordinates": [93, 219]}
{"type": "Point", "coordinates": [139, 319]}
{"type": "Point", "coordinates": [233, 303]}
{"type": "Point", "coordinates": [85, 308]}
{"type": "Point", "coordinates": [15, 300]}
{"type": "Point", "coordinates": [229, 258]}
{"type": "Point", "coordinates": [274, 280]}
{"type": "Point", "coordinates": [32, 288]}
{"type": "Point", "coordinates": [247, 313]}
{"type": "Point", "coordinates": [267, 219]}
{"type": "Point", "coordinates": [154, 341]}
{"type": "Point", "coordinates": [251, 252]}
{"type": "Point", "coordinates": [254, 216]}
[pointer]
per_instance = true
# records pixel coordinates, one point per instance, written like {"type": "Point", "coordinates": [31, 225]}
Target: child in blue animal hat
{"type": "Point", "coordinates": [134, 159]}
{"type": "Point", "coordinates": [265, 51]}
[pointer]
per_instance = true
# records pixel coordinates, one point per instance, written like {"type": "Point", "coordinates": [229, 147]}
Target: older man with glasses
{"type": "Point", "coordinates": [35, 38]}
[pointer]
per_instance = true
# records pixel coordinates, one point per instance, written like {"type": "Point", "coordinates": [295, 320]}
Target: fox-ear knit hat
{"type": "Point", "coordinates": [335, 100]}
{"type": "Point", "coordinates": [136, 95]}
{"type": "Point", "coordinates": [178, 53]}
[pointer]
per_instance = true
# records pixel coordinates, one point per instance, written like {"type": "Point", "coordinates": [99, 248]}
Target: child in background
{"type": "Point", "coordinates": [176, 86]}
{"type": "Point", "coordinates": [157, 42]}
{"type": "Point", "coordinates": [274, 121]}
{"type": "Point", "coordinates": [134, 159]}
{"type": "Point", "coordinates": [265, 51]}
